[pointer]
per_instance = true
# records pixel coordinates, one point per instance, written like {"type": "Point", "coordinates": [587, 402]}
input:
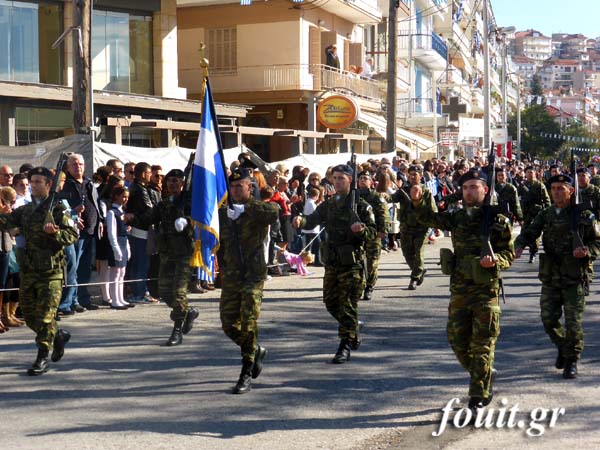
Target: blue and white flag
{"type": "Point", "coordinates": [209, 184]}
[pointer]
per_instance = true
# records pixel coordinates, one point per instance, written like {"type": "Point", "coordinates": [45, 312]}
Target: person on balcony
{"type": "Point", "coordinates": [332, 57]}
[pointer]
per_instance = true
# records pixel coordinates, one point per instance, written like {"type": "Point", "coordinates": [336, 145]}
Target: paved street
{"type": "Point", "coordinates": [118, 388]}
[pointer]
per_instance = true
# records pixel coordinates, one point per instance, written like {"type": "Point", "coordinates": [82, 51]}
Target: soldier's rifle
{"type": "Point", "coordinates": [354, 187]}
{"type": "Point", "coordinates": [55, 195]}
{"type": "Point", "coordinates": [490, 209]}
{"type": "Point", "coordinates": [186, 194]}
{"type": "Point", "coordinates": [577, 206]}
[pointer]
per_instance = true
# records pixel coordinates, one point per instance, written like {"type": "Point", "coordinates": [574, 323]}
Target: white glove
{"type": "Point", "coordinates": [180, 224]}
{"type": "Point", "coordinates": [235, 212]}
{"type": "Point", "coordinates": [117, 253]}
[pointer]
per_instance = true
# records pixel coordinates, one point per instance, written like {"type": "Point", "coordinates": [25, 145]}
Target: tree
{"type": "Point", "coordinates": [536, 86]}
{"type": "Point", "coordinates": [535, 120]}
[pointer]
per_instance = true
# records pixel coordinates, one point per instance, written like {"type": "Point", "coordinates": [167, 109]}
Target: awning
{"type": "Point", "coordinates": [379, 124]}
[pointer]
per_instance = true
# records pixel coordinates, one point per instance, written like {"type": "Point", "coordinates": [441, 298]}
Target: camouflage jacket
{"type": "Point", "coordinates": [508, 199]}
{"type": "Point", "coordinates": [555, 225]}
{"type": "Point", "coordinates": [342, 247]}
{"type": "Point", "coordinates": [241, 252]}
{"type": "Point", "coordinates": [171, 243]}
{"type": "Point", "coordinates": [534, 198]}
{"type": "Point", "coordinates": [466, 226]}
{"type": "Point", "coordinates": [406, 214]}
{"type": "Point", "coordinates": [595, 180]}
{"type": "Point", "coordinates": [591, 197]}
{"type": "Point", "coordinates": [43, 253]}
{"type": "Point", "coordinates": [380, 210]}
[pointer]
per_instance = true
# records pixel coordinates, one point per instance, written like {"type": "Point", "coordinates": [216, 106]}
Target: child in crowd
{"type": "Point", "coordinates": [117, 237]}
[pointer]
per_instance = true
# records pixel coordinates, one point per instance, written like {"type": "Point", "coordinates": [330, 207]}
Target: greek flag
{"type": "Point", "coordinates": [209, 184]}
{"type": "Point", "coordinates": [458, 13]}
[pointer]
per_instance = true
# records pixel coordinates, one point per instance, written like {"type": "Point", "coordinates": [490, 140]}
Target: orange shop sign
{"type": "Point", "coordinates": [337, 112]}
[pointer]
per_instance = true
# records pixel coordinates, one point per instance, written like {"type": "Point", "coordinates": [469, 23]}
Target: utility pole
{"type": "Point", "coordinates": [518, 117]}
{"type": "Point", "coordinates": [82, 95]}
{"type": "Point", "coordinates": [390, 137]}
{"type": "Point", "coordinates": [486, 77]}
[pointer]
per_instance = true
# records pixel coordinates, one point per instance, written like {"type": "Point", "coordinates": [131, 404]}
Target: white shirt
{"type": "Point", "coordinates": [309, 207]}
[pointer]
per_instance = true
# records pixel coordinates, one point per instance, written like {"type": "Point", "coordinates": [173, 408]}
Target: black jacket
{"type": "Point", "coordinates": [140, 205]}
{"type": "Point", "coordinates": [84, 194]}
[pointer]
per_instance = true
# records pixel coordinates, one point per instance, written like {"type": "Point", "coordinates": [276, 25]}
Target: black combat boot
{"type": "Point", "coordinates": [355, 343]}
{"type": "Point", "coordinates": [60, 340]}
{"type": "Point", "coordinates": [41, 365]}
{"type": "Point", "coordinates": [191, 315]}
{"type": "Point", "coordinates": [570, 371]}
{"type": "Point", "coordinates": [260, 354]}
{"type": "Point", "coordinates": [560, 360]}
{"type": "Point", "coordinates": [421, 278]}
{"type": "Point", "coordinates": [343, 353]}
{"type": "Point", "coordinates": [475, 404]}
{"type": "Point", "coordinates": [176, 337]}
{"type": "Point", "coordinates": [368, 293]}
{"type": "Point", "coordinates": [412, 285]}
{"type": "Point", "coordinates": [244, 383]}
{"type": "Point", "coordinates": [531, 258]}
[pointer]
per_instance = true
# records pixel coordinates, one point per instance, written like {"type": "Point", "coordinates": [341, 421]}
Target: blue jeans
{"type": "Point", "coordinates": [139, 266]}
{"type": "Point", "coordinates": [69, 294]}
{"type": "Point", "coordinates": [85, 249]}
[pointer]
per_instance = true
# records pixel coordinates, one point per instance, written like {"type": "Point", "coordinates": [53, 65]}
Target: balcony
{"type": "Point", "coordinates": [355, 11]}
{"type": "Point", "coordinates": [416, 107]}
{"type": "Point", "coordinates": [477, 101]}
{"type": "Point", "coordinates": [429, 49]}
{"type": "Point", "coordinates": [292, 77]}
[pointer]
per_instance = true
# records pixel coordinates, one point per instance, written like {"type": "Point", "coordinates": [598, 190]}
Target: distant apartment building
{"type": "Point", "coordinates": [526, 68]}
{"type": "Point", "coordinates": [580, 108]}
{"type": "Point", "coordinates": [533, 44]}
{"type": "Point", "coordinates": [133, 71]}
{"type": "Point", "coordinates": [559, 74]}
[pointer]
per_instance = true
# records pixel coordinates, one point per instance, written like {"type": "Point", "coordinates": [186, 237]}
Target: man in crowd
{"type": "Point", "coordinates": [568, 249]}
{"type": "Point", "coordinates": [175, 245]}
{"type": "Point", "coordinates": [83, 199]}
{"type": "Point", "coordinates": [474, 311]}
{"type": "Point", "coordinates": [6, 176]}
{"type": "Point", "coordinates": [342, 254]}
{"type": "Point", "coordinates": [382, 219]}
{"type": "Point", "coordinates": [243, 229]}
{"type": "Point", "coordinates": [508, 197]}
{"type": "Point", "coordinates": [41, 262]}
{"type": "Point", "coordinates": [534, 198]}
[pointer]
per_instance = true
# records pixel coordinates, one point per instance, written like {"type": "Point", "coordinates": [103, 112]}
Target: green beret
{"type": "Point", "coordinates": [561, 179]}
{"type": "Point", "coordinates": [344, 168]}
{"type": "Point", "coordinates": [177, 173]}
{"type": "Point", "coordinates": [40, 171]}
{"type": "Point", "coordinates": [238, 175]}
{"type": "Point", "coordinates": [473, 174]}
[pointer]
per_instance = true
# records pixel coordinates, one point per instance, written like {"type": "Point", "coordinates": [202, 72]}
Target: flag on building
{"type": "Point", "coordinates": [209, 184]}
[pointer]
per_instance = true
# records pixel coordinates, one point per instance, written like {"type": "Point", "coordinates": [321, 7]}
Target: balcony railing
{"type": "Point", "coordinates": [419, 41]}
{"type": "Point", "coordinates": [420, 106]}
{"type": "Point", "coordinates": [281, 77]}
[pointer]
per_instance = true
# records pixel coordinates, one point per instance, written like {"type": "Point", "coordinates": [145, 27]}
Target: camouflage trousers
{"type": "Point", "coordinates": [173, 279]}
{"type": "Point", "coordinates": [571, 299]}
{"type": "Point", "coordinates": [39, 298]}
{"type": "Point", "coordinates": [342, 288]}
{"type": "Point", "coordinates": [413, 249]}
{"type": "Point", "coordinates": [239, 308]}
{"type": "Point", "coordinates": [373, 253]}
{"type": "Point", "coordinates": [535, 246]}
{"type": "Point", "coordinates": [473, 329]}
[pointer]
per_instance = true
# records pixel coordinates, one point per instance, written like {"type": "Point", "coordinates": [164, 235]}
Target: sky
{"type": "Point", "coordinates": [550, 16]}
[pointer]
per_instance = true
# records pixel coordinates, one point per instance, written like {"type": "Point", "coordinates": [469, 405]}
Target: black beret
{"type": "Point", "coordinates": [415, 168]}
{"type": "Point", "coordinates": [473, 174]}
{"type": "Point", "coordinates": [344, 168]}
{"type": "Point", "coordinates": [561, 179]}
{"type": "Point", "coordinates": [583, 170]}
{"type": "Point", "coordinates": [238, 175]}
{"type": "Point", "coordinates": [364, 173]}
{"type": "Point", "coordinates": [177, 173]}
{"type": "Point", "coordinates": [40, 171]}
{"type": "Point", "coordinates": [247, 164]}
{"type": "Point", "coordinates": [529, 168]}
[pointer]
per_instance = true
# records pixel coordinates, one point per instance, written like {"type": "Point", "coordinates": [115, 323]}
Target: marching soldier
{"type": "Point", "coordinates": [595, 178]}
{"type": "Point", "coordinates": [342, 254]}
{"type": "Point", "coordinates": [534, 198]}
{"type": "Point", "coordinates": [508, 197]}
{"type": "Point", "coordinates": [382, 219]}
{"type": "Point", "coordinates": [243, 229]}
{"type": "Point", "coordinates": [175, 245]}
{"type": "Point", "coordinates": [413, 234]}
{"type": "Point", "coordinates": [568, 247]}
{"type": "Point", "coordinates": [42, 260]}
{"type": "Point", "coordinates": [474, 311]}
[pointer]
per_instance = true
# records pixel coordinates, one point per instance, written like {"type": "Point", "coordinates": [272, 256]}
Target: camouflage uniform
{"type": "Point", "coordinates": [413, 234]}
{"type": "Point", "coordinates": [508, 199]}
{"type": "Point", "coordinates": [591, 196]}
{"type": "Point", "coordinates": [373, 247]}
{"type": "Point", "coordinates": [474, 310]}
{"type": "Point", "coordinates": [595, 180]}
{"type": "Point", "coordinates": [562, 275]}
{"type": "Point", "coordinates": [41, 262]}
{"type": "Point", "coordinates": [342, 254]}
{"type": "Point", "coordinates": [175, 249]}
{"type": "Point", "coordinates": [242, 281]}
{"type": "Point", "coordinates": [534, 198]}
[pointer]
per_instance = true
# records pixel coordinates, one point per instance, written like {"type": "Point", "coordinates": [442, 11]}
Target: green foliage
{"type": "Point", "coordinates": [534, 121]}
{"type": "Point", "coordinates": [536, 86]}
